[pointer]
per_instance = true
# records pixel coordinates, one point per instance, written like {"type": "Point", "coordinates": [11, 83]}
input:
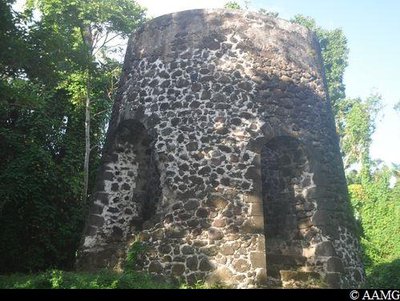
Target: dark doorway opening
{"type": "Point", "coordinates": [137, 175]}
{"type": "Point", "coordinates": [287, 212]}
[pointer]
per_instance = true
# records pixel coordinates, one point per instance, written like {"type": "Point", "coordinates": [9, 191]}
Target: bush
{"type": "Point", "coordinates": [384, 275]}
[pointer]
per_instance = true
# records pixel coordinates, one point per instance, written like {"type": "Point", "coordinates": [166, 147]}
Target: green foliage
{"type": "Point", "coordinates": [40, 215]}
{"type": "Point", "coordinates": [377, 208]}
{"type": "Point", "coordinates": [385, 275]}
{"type": "Point", "coordinates": [56, 279]}
{"type": "Point", "coordinates": [356, 122]}
{"type": "Point", "coordinates": [13, 47]}
{"type": "Point", "coordinates": [202, 285]}
{"type": "Point", "coordinates": [136, 250]}
{"type": "Point", "coordinates": [334, 52]}
{"type": "Point", "coordinates": [45, 65]}
{"type": "Point", "coordinates": [232, 5]}
{"type": "Point", "coordinates": [87, 27]}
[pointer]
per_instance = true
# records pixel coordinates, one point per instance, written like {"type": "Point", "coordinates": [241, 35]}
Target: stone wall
{"type": "Point", "coordinates": [222, 157]}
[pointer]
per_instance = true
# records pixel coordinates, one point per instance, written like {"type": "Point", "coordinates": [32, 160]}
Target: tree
{"type": "Point", "coordinates": [48, 71]}
{"type": "Point", "coordinates": [376, 205]}
{"type": "Point", "coordinates": [232, 5]}
{"type": "Point", "coordinates": [12, 44]}
{"type": "Point", "coordinates": [93, 25]}
{"type": "Point", "coordinates": [334, 52]}
{"type": "Point", "coordinates": [356, 120]}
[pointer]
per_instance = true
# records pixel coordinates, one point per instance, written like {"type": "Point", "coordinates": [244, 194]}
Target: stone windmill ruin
{"type": "Point", "coordinates": [222, 157]}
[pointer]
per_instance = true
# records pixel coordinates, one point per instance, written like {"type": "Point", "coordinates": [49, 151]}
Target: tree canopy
{"type": "Point", "coordinates": [334, 52]}
{"type": "Point", "coordinates": [56, 55]}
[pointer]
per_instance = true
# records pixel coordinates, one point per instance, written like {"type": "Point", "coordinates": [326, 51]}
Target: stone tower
{"type": "Point", "coordinates": [222, 157]}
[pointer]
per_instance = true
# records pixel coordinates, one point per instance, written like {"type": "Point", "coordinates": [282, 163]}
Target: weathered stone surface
{"type": "Point", "coordinates": [175, 233]}
{"type": "Point", "coordinates": [96, 220]}
{"type": "Point", "coordinates": [102, 197]}
{"type": "Point", "coordinates": [257, 259]}
{"type": "Point", "coordinates": [187, 250]}
{"type": "Point", "coordinates": [219, 223]}
{"type": "Point", "coordinates": [114, 187]}
{"type": "Point", "coordinates": [325, 249]}
{"type": "Point", "coordinates": [241, 265]}
{"type": "Point", "coordinates": [209, 251]}
{"type": "Point", "coordinates": [221, 136]}
{"type": "Point", "coordinates": [191, 205]}
{"type": "Point", "coordinates": [334, 264]}
{"type": "Point", "coordinates": [191, 263]}
{"type": "Point", "coordinates": [177, 269]}
{"type": "Point", "coordinates": [164, 249]}
{"type": "Point", "coordinates": [217, 202]}
{"type": "Point", "coordinates": [221, 275]}
{"type": "Point", "coordinates": [96, 209]}
{"type": "Point", "coordinates": [91, 231]}
{"type": "Point", "coordinates": [333, 280]}
{"type": "Point", "coordinates": [205, 265]}
{"type": "Point", "coordinates": [215, 234]}
{"type": "Point", "coordinates": [112, 209]}
{"type": "Point", "coordinates": [254, 224]}
{"type": "Point", "coordinates": [201, 212]}
{"type": "Point", "coordinates": [298, 276]}
{"type": "Point", "coordinates": [117, 233]}
{"type": "Point", "coordinates": [155, 267]}
{"type": "Point", "coordinates": [227, 250]}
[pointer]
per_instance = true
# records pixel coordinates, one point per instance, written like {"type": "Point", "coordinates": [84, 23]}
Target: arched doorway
{"type": "Point", "coordinates": [128, 190]}
{"type": "Point", "coordinates": [287, 212]}
{"type": "Point", "coordinates": [136, 183]}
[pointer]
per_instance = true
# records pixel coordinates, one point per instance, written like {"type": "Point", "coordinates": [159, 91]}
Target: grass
{"type": "Point", "coordinates": [56, 279]}
{"type": "Point", "coordinates": [105, 279]}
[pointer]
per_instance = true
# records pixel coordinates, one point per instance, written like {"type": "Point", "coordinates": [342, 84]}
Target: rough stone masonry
{"type": "Point", "coordinates": [222, 158]}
